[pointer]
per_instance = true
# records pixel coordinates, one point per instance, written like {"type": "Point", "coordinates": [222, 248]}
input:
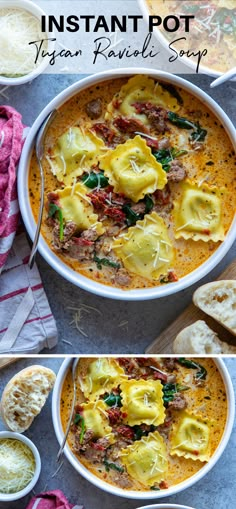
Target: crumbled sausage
{"type": "Point", "coordinates": [122, 277]}
{"type": "Point", "coordinates": [90, 234]}
{"type": "Point", "coordinates": [179, 402]}
{"type": "Point", "coordinates": [177, 171]}
{"type": "Point", "coordinates": [94, 108]}
{"type": "Point", "coordinates": [69, 230]}
{"type": "Point", "coordinates": [81, 249]}
{"type": "Point", "coordinates": [164, 143]}
{"type": "Point", "coordinates": [156, 115]}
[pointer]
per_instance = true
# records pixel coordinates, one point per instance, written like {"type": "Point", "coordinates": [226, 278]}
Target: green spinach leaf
{"type": "Point", "coordinates": [54, 209]}
{"type": "Point", "coordinates": [93, 180]}
{"type": "Point", "coordinates": [201, 371]}
{"type": "Point", "coordinates": [113, 399]}
{"type": "Point", "coordinates": [105, 262]}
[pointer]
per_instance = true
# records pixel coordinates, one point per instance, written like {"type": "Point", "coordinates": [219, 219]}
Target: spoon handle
{"type": "Point", "coordinates": [39, 146]}
{"type": "Point", "coordinates": [60, 452]}
{"type": "Point", "coordinates": [226, 76]}
{"type": "Point", "coordinates": [41, 206]}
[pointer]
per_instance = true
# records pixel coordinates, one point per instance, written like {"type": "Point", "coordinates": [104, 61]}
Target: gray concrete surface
{"type": "Point", "coordinates": [216, 490]}
{"type": "Point", "coordinates": [105, 332]}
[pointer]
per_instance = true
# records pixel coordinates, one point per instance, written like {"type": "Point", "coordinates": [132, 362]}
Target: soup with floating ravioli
{"type": "Point", "coordinates": [139, 183]}
{"type": "Point", "coordinates": [212, 31]}
{"type": "Point", "coordinates": [145, 423]}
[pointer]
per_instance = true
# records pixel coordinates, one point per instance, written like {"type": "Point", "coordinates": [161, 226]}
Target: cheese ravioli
{"type": "Point", "coordinates": [146, 459]}
{"type": "Point", "coordinates": [76, 207]}
{"type": "Point", "coordinates": [146, 249]}
{"type": "Point", "coordinates": [132, 169]}
{"type": "Point", "coordinates": [76, 151]}
{"type": "Point", "coordinates": [198, 214]}
{"type": "Point", "coordinates": [96, 419]}
{"type": "Point", "coordinates": [139, 89]}
{"type": "Point", "coordinates": [103, 374]}
{"type": "Point", "coordinates": [191, 438]}
{"type": "Point", "coordinates": [142, 402]}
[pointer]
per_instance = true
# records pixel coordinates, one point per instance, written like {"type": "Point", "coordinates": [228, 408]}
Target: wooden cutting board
{"type": "Point", "coordinates": [4, 361]}
{"type": "Point", "coordinates": [163, 344]}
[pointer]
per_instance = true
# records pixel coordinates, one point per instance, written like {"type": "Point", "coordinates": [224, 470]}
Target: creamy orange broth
{"type": "Point", "coordinates": [189, 254]}
{"type": "Point", "coordinates": [207, 400]}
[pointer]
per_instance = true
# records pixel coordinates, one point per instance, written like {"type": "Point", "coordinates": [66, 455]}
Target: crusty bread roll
{"type": "Point", "coordinates": [25, 395]}
{"type": "Point", "coordinates": [200, 339]}
{"type": "Point", "coordinates": [218, 299]}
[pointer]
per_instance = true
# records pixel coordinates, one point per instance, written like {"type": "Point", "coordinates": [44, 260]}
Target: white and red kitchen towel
{"type": "Point", "coordinates": [51, 500]}
{"type": "Point", "coordinates": [26, 321]}
{"type": "Point", "coordinates": [11, 141]}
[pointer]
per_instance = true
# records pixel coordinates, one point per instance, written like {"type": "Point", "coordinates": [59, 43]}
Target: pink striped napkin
{"type": "Point", "coordinates": [11, 141]}
{"type": "Point", "coordinates": [26, 321]}
{"type": "Point", "coordinates": [51, 500]}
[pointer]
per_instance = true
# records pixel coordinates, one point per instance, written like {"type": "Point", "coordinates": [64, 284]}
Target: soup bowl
{"type": "Point", "coordinates": [132, 494]}
{"type": "Point", "coordinates": [57, 263]}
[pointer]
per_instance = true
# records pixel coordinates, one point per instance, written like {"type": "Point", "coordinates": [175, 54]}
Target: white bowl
{"type": "Point", "coordinates": [203, 69]}
{"type": "Point", "coordinates": [165, 506]}
{"type": "Point", "coordinates": [22, 493]}
{"type": "Point", "coordinates": [81, 469]}
{"type": "Point", "coordinates": [34, 9]}
{"type": "Point", "coordinates": [53, 260]}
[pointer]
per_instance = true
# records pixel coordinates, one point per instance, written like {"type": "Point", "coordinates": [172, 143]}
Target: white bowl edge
{"type": "Point", "coordinates": [165, 506]}
{"type": "Point", "coordinates": [134, 494]}
{"type": "Point", "coordinates": [55, 262]}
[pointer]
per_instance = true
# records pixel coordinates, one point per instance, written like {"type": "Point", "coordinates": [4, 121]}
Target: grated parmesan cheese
{"type": "Point", "coordinates": [18, 28]}
{"type": "Point", "coordinates": [17, 465]}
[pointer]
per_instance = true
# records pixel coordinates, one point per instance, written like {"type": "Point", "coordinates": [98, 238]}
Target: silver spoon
{"type": "Point", "coordinates": [225, 77]}
{"type": "Point", "coordinates": [73, 370]}
{"type": "Point", "coordinates": [39, 148]}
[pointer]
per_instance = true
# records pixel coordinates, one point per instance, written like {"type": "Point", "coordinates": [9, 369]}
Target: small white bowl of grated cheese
{"type": "Point", "coordinates": [20, 466]}
{"type": "Point", "coordinates": [20, 27]}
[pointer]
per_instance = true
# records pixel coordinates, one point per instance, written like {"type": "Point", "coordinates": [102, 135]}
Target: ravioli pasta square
{"type": "Point", "coordinates": [96, 419]}
{"type": "Point", "coordinates": [76, 150]}
{"type": "Point", "coordinates": [76, 207]}
{"type": "Point", "coordinates": [146, 459]}
{"type": "Point", "coordinates": [102, 375]}
{"type": "Point", "coordinates": [142, 401]}
{"type": "Point", "coordinates": [146, 249]}
{"type": "Point", "coordinates": [132, 169]}
{"type": "Point", "coordinates": [198, 214]}
{"type": "Point", "coordinates": [140, 89]}
{"type": "Point", "coordinates": [190, 438]}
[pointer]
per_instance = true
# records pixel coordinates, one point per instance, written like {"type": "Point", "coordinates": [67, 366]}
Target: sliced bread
{"type": "Point", "coordinates": [198, 338]}
{"type": "Point", "coordinates": [218, 299]}
{"type": "Point", "coordinates": [25, 395]}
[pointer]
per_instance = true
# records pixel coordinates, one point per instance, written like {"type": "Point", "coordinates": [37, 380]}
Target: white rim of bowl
{"type": "Point", "coordinates": [165, 506]}
{"type": "Point", "coordinates": [55, 262]}
{"type": "Point", "coordinates": [203, 69]}
{"type": "Point", "coordinates": [10, 497]}
{"type": "Point", "coordinates": [36, 11]}
{"type": "Point", "coordinates": [99, 483]}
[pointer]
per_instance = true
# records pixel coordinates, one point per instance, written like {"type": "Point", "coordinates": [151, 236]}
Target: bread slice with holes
{"type": "Point", "coordinates": [198, 338]}
{"type": "Point", "coordinates": [25, 395]}
{"type": "Point", "coordinates": [218, 299]}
